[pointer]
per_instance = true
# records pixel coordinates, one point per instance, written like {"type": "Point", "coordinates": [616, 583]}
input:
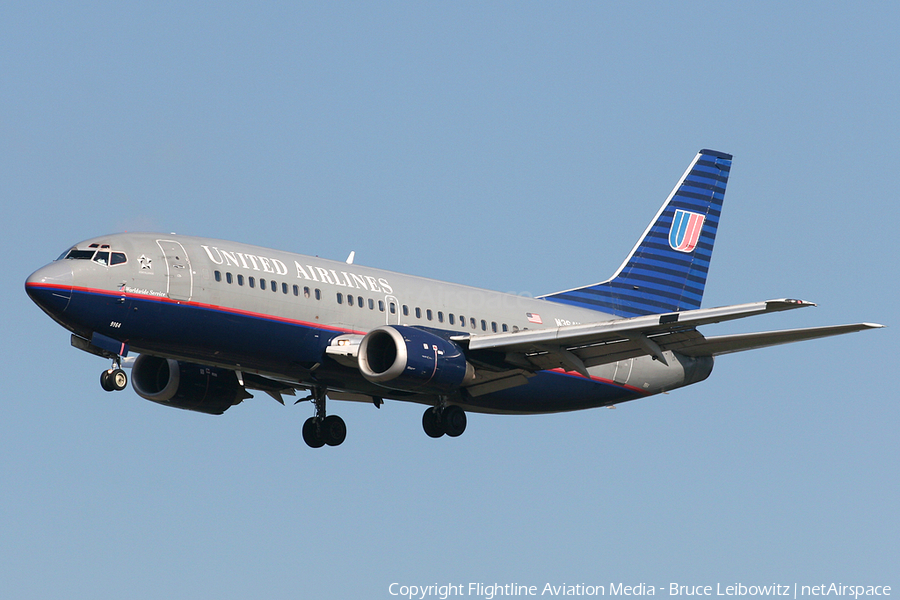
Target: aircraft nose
{"type": "Point", "coordinates": [50, 287]}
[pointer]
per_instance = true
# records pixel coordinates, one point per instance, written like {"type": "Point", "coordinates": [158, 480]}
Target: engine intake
{"type": "Point", "coordinates": [185, 385]}
{"type": "Point", "coordinates": [410, 359]}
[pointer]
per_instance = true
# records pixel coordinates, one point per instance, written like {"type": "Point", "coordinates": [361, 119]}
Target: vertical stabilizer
{"type": "Point", "coordinates": [666, 270]}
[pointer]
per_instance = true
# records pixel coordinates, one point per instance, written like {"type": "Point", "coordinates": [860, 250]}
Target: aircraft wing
{"type": "Point", "coordinates": [726, 344]}
{"type": "Point", "coordinates": [576, 347]}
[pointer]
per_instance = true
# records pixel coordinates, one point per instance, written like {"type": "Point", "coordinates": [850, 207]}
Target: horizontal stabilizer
{"type": "Point", "coordinates": [726, 344]}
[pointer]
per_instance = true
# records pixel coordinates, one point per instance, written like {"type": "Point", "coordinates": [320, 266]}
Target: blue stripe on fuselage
{"type": "Point", "coordinates": [554, 391]}
{"type": "Point", "coordinates": [260, 342]}
{"type": "Point", "coordinates": [203, 332]}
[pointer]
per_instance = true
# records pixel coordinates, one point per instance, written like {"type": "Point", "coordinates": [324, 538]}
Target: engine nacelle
{"type": "Point", "coordinates": [185, 385]}
{"type": "Point", "coordinates": [413, 360]}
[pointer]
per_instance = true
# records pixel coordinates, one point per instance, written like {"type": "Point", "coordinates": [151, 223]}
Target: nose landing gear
{"type": "Point", "coordinates": [114, 379]}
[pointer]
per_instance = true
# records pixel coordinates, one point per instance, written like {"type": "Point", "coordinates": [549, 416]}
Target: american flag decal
{"type": "Point", "coordinates": [534, 318]}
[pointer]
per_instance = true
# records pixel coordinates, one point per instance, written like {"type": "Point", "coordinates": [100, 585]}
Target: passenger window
{"type": "Point", "coordinates": [505, 328]}
{"type": "Point", "coordinates": [340, 298]}
{"type": "Point", "coordinates": [118, 258]}
{"type": "Point", "coordinates": [483, 325]}
{"type": "Point", "coordinates": [349, 300]}
{"type": "Point", "coordinates": [418, 313]}
{"type": "Point", "coordinates": [440, 317]}
{"type": "Point", "coordinates": [284, 287]}
{"type": "Point", "coordinates": [451, 318]}
{"type": "Point", "coordinates": [428, 314]}
{"type": "Point", "coordinates": [371, 304]}
{"type": "Point", "coordinates": [252, 281]}
{"type": "Point", "coordinates": [305, 291]}
{"type": "Point", "coordinates": [393, 308]}
{"type": "Point", "coordinates": [229, 278]}
{"type": "Point", "coordinates": [405, 310]}
{"type": "Point", "coordinates": [494, 326]}
{"type": "Point", "coordinates": [472, 322]}
{"type": "Point", "coordinates": [381, 305]}
{"type": "Point", "coordinates": [274, 286]}
{"type": "Point", "coordinates": [297, 290]}
{"type": "Point", "coordinates": [262, 284]}
{"type": "Point", "coordinates": [240, 279]}
{"type": "Point", "coordinates": [218, 275]}
{"type": "Point", "coordinates": [515, 328]}
{"type": "Point", "coordinates": [462, 321]}
{"type": "Point", "coordinates": [318, 294]}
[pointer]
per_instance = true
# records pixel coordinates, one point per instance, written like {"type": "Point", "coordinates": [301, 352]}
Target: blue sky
{"type": "Point", "coordinates": [514, 146]}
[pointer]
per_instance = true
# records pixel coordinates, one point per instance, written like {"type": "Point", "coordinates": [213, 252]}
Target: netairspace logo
{"type": "Point", "coordinates": [490, 591]}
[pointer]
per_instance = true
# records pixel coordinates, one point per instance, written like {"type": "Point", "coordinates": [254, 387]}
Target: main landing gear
{"type": "Point", "coordinates": [439, 420]}
{"type": "Point", "coordinates": [114, 379]}
{"type": "Point", "coordinates": [321, 430]}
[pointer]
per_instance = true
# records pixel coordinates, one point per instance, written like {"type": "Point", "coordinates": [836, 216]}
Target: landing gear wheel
{"type": "Point", "coordinates": [106, 381]}
{"type": "Point", "coordinates": [320, 430]}
{"type": "Point", "coordinates": [431, 423]}
{"type": "Point", "coordinates": [118, 379]}
{"type": "Point", "coordinates": [311, 434]}
{"type": "Point", "coordinates": [333, 430]}
{"type": "Point", "coordinates": [453, 420]}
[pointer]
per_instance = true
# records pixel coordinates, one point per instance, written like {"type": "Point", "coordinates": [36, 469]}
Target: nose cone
{"type": "Point", "coordinates": [50, 287]}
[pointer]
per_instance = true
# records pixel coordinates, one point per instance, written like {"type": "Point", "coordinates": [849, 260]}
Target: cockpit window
{"type": "Point", "coordinates": [103, 256]}
{"type": "Point", "coordinates": [75, 254]}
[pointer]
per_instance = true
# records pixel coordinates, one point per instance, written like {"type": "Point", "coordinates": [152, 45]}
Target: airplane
{"type": "Point", "coordinates": [211, 319]}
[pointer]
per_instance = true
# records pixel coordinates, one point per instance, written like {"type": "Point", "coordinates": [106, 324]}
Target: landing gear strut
{"type": "Point", "coordinates": [321, 430]}
{"type": "Point", "coordinates": [439, 420]}
{"type": "Point", "coordinates": [114, 379]}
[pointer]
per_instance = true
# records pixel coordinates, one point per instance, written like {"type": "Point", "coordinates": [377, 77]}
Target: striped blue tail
{"type": "Point", "coordinates": [666, 270]}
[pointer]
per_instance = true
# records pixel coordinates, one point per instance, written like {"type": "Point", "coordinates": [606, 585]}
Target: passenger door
{"type": "Point", "coordinates": [179, 277]}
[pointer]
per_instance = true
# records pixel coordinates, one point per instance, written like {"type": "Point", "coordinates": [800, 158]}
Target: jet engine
{"type": "Point", "coordinates": [413, 360]}
{"type": "Point", "coordinates": [185, 385]}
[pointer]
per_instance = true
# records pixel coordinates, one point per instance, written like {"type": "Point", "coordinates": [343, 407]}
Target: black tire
{"type": "Point", "coordinates": [118, 380]}
{"type": "Point", "coordinates": [334, 430]}
{"type": "Point", "coordinates": [106, 381]}
{"type": "Point", "coordinates": [431, 423]}
{"type": "Point", "coordinates": [453, 419]}
{"type": "Point", "coordinates": [311, 434]}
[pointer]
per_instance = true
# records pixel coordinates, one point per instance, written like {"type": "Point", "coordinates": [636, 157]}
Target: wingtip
{"type": "Point", "coordinates": [792, 302]}
{"type": "Point", "coordinates": [800, 302]}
